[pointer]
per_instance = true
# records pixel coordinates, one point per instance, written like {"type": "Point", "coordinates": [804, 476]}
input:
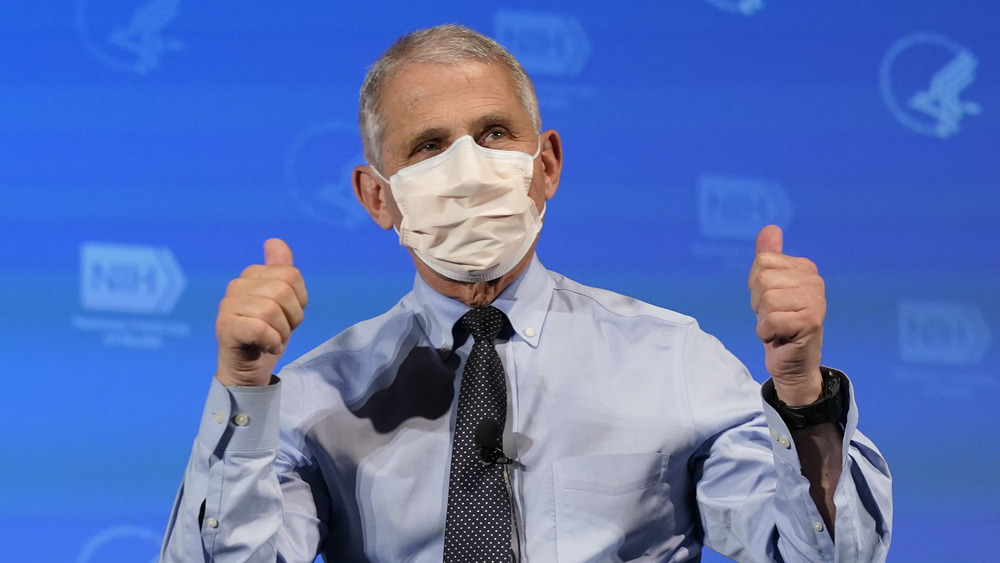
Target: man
{"type": "Point", "coordinates": [631, 434]}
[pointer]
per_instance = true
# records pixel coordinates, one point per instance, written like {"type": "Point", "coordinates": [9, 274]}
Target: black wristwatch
{"type": "Point", "coordinates": [829, 407]}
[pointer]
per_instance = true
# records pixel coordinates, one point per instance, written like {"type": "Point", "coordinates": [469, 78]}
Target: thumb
{"type": "Point", "coordinates": [769, 239]}
{"type": "Point", "coordinates": [277, 252]}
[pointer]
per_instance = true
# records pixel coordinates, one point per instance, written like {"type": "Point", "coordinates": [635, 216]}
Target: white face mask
{"type": "Point", "coordinates": [466, 211]}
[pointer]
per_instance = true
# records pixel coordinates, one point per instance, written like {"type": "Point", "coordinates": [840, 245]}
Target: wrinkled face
{"type": "Point", "coordinates": [426, 107]}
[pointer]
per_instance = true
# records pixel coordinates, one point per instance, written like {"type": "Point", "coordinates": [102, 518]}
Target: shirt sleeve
{"type": "Point", "coordinates": [863, 496]}
{"type": "Point", "coordinates": [753, 501]}
{"type": "Point", "coordinates": [232, 505]}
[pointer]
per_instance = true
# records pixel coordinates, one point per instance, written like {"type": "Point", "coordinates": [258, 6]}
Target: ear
{"type": "Point", "coordinates": [551, 158]}
{"type": "Point", "coordinates": [374, 197]}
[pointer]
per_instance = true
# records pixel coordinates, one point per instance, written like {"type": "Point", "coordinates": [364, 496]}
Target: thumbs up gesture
{"type": "Point", "coordinates": [260, 310]}
{"type": "Point", "coordinates": [788, 296]}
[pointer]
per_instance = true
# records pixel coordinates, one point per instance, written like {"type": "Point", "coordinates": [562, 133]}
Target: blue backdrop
{"type": "Point", "coordinates": [148, 148]}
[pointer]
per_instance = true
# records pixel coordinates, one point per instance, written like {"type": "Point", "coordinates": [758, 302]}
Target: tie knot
{"type": "Point", "coordinates": [483, 322]}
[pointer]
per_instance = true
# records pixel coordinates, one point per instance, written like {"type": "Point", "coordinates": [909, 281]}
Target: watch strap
{"type": "Point", "coordinates": [828, 408]}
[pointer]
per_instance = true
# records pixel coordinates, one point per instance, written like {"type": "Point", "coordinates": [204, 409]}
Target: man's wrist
{"type": "Point", "coordinates": [828, 408]}
{"type": "Point", "coordinates": [240, 382]}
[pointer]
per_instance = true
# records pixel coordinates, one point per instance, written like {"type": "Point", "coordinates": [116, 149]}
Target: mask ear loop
{"type": "Point", "coordinates": [377, 173]}
{"type": "Point", "coordinates": [538, 150]}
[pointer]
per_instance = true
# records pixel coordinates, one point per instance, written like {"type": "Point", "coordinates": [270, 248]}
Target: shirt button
{"type": "Point", "coordinates": [774, 434]}
{"type": "Point", "coordinates": [529, 332]}
{"type": "Point", "coordinates": [241, 419]}
{"type": "Point", "coordinates": [212, 523]}
{"type": "Point", "coordinates": [784, 442]}
{"type": "Point", "coordinates": [818, 526]}
{"type": "Point", "coordinates": [218, 417]}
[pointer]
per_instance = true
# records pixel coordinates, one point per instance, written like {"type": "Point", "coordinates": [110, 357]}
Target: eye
{"type": "Point", "coordinates": [493, 136]}
{"type": "Point", "coordinates": [428, 146]}
{"type": "Point", "coordinates": [424, 149]}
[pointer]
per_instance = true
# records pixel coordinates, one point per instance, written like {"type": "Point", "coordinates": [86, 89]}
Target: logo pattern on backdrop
{"type": "Point", "coordinates": [127, 291]}
{"type": "Point", "coordinates": [942, 333]}
{"type": "Point", "coordinates": [121, 543]}
{"type": "Point", "coordinates": [554, 50]}
{"type": "Point", "coordinates": [745, 7]}
{"type": "Point", "coordinates": [732, 207]}
{"type": "Point", "coordinates": [128, 35]}
{"type": "Point", "coordinates": [923, 79]}
{"type": "Point", "coordinates": [319, 182]}
{"type": "Point", "coordinates": [544, 44]}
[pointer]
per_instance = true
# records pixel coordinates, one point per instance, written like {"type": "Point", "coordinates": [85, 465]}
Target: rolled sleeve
{"type": "Point", "coordinates": [863, 496]}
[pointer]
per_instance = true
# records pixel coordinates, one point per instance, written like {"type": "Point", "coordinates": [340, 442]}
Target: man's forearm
{"type": "Point", "coordinates": [820, 450]}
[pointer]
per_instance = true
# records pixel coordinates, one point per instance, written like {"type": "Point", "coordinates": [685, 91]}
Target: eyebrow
{"type": "Point", "coordinates": [426, 135]}
{"type": "Point", "coordinates": [477, 124]}
{"type": "Point", "coordinates": [497, 118]}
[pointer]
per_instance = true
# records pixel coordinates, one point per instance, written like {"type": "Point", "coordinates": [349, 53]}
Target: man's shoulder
{"type": "Point", "coordinates": [573, 294]}
{"type": "Point", "coordinates": [362, 344]}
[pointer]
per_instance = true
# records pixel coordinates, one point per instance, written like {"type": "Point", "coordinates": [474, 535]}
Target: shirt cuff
{"type": "Point", "coordinates": [242, 418]}
{"type": "Point", "coordinates": [781, 437]}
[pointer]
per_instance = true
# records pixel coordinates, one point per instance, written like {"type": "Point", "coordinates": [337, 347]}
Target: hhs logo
{"type": "Point", "coordinates": [731, 207]}
{"type": "Point", "coordinates": [128, 35]}
{"type": "Point", "coordinates": [942, 333]}
{"type": "Point", "coordinates": [121, 543]}
{"type": "Point", "coordinates": [321, 186]}
{"type": "Point", "coordinates": [129, 279]}
{"type": "Point", "coordinates": [923, 79]}
{"type": "Point", "coordinates": [745, 7]}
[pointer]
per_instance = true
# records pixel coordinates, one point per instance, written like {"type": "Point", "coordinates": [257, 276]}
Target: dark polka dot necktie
{"type": "Point", "coordinates": [478, 523]}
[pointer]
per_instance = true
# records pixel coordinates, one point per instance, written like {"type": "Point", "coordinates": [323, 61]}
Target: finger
{"type": "Point", "coordinates": [236, 331]}
{"type": "Point", "coordinates": [769, 239]}
{"type": "Point", "coordinates": [284, 298]}
{"type": "Point", "coordinates": [774, 261]}
{"type": "Point", "coordinates": [791, 300]}
{"type": "Point", "coordinates": [245, 291]}
{"type": "Point", "coordinates": [276, 251]}
{"type": "Point", "coordinates": [265, 309]}
{"type": "Point", "coordinates": [285, 273]}
{"type": "Point", "coordinates": [784, 327]}
{"type": "Point", "coordinates": [806, 282]}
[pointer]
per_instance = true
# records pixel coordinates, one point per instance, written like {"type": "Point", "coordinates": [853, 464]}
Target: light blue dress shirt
{"type": "Point", "coordinates": [637, 437]}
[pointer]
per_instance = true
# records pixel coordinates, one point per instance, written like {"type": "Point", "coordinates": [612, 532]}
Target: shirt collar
{"type": "Point", "coordinates": [525, 302]}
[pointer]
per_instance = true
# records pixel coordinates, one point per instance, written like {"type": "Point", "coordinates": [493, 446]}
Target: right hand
{"type": "Point", "coordinates": [257, 316]}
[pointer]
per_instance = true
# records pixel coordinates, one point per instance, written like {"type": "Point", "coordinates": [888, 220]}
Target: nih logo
{"type": "Point", "coordinates": [129, 278]}
{"type": "Point", "coordinates": [732, 207]}
{"type": "Point", "coordinates": [942, 333]}
{"type": "Point", "coordinates": [549, 45]}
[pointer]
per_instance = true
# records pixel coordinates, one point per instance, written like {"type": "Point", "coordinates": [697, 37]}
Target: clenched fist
{"type": "Point", "coordinates": [788, 296]}
{"type": "Point", "coordinates": [257, 316]}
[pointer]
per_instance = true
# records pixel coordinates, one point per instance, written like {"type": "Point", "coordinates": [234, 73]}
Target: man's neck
{"type": "Point", "coordinates": [474, 294]}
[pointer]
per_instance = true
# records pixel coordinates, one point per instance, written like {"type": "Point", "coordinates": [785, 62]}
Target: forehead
{"type": "Point", "coordinates": [419, 96]}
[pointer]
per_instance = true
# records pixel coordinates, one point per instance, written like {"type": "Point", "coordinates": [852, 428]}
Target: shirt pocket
{"type": "Point", "coordinates": [609, 507]}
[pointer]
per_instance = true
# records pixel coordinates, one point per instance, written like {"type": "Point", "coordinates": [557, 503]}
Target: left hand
{"type": "Point", "coordinates": [787, 294]}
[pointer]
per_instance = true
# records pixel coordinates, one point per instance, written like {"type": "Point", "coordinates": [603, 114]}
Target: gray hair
{"type": "Point", "coordinates": [445, 45]}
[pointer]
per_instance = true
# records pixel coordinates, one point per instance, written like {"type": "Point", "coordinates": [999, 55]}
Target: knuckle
{"type": "Point", "coordinates": [270, 310]}
{"type": "Point", "coordinates": [234, 286]}
{"type": "Point", "coordinates": [763, 279]}
{"type": "Point", "coordinates": [283, 272]}
{"type": "Point", "coordinates": [283, 291]}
